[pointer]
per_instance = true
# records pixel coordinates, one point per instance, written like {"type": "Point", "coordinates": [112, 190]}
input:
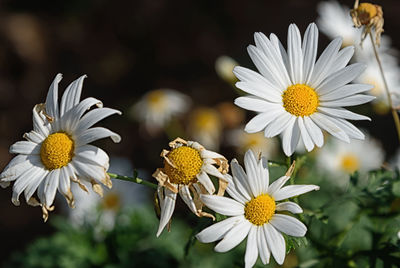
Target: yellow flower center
{"type": "Point", "coordinates": [206, 120]}
{"type": "Point", "coordinates": [57, 150]}
{"type": "Point", "coordinates": [111, 201]}
{"type": "Point", "coordinates": [156, 99]}
{"type": "Point", "coordinates": [187, 162]}
{"type": "Point", "coordinates": [350, 163]}
{"type": "Point", "coordinates": [366, 12]}
{"type": "Point", "coordinates": [260, 210]}
{"type": "Point", "coordinates": [300, 100]}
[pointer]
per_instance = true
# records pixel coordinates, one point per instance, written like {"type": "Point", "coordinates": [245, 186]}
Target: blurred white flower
{"type": "Point", "coordinates": [224, 67]}
{"type": "Point", "coordinates": [102, 212]}
{"type": "Point", "coordinates": [256, 142]}
{"type": "Point", "coordinates": [157, 107]}
{"type": "Point", "coordinates": [205, 126]}
{"type": "Point", "coordinates": [341, 159]}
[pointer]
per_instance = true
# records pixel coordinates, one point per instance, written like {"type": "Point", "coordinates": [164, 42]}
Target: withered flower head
{"type": "Point", "coordinates": [371, 17]}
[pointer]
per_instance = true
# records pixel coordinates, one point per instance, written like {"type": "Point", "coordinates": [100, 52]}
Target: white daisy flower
{"type": "Point", "coordinates": [157, 107]}
{"type": "Point", "coordinates": [298, 96]}
{"type": "Point", "coordinates": [255, 212]}
{"type": "Point", "coordinates": [224, 67]}
{"type": "Point", "coordinates": [186, 171]}
{"type": "Point", "coordinates": [205, 126]}
{"type": "Point", "coordinates": [57, 150]}
{"type": "Point", "coordinates": [256, 142]}
{"type": "Point", "coordinates": [341, 159]}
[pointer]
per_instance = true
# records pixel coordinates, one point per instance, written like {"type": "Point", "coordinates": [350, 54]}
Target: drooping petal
{"type": "Point", "coordinates": [167, 209]}
{"type": "Point", "coordinates": [223, 205]}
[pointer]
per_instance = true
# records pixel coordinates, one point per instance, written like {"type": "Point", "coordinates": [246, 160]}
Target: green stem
{"type": "Point", "coordinates": [394, 112]}
{"type": "Point", "coordinates": [133, 179]}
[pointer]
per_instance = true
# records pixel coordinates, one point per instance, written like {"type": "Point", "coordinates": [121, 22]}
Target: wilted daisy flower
{"type": "Point", "coordinates": [205, 126]}
{"type": "Point", "coordinates": [256, 142]}
{"type": "Point", "coordinates": [255, 212]}
{"type": "Point", "coordinates": [186, 171]}
{"type": "Point", "coordinates": [57, 150]}
{"type": "Point", "coordinates": [157, 107]}
{"type": "Point", "coordinates": [224, 67]}
{"type": "Point", "coordinates": [341, 159]}
{"type": "Point", "coordinates": [297, 95]}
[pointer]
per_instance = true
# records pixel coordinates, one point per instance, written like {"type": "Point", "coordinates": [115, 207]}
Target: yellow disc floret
{"type": "Point", "coordinates": [366, 12]}
{"type": "Point", "coordinates": [57, 150]}
{"type": "Point", "coordinates": [300, 100]}
{"type": "Point", "coordinates": [259, 210]}
{"type": "Point", "coordinates": [187, 164]}
{"type": "Point", "coordinates": [350, 163]}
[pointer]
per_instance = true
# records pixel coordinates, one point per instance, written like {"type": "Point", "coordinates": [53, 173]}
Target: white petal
{"type": "Point", "coordinates": [342, 113]}
{"type": "Point", "coordinates": [25, 147]}
{"type": "Point", "coordinates": [232, 190]}
{"type": "Point", "coordinates": [357, 99]}
{"type": "Point", "coordinates": [344, 91]}
{"type": "Point", "coordinates": [264, 66]}
{"type": "Point", "coordinates": [32, 187]}
{"type": "Point", "coordinates": [260, 121]}
{"type": "Point", "coordinates": [210, 169]}
{"type": "Point", "coordinates": [289, 206]}
{"type": "Point", "coordinates": [34, 137]}
{"type": "Point", "coordinates": [260, 89]}
{"type": "Point", "coordinates": [290, 137]}
{"type": "Point", "coordinates": [218, 230]}
{"type": "Point", "coordinates": [51, 185]}
{"type": "Point", "coordinates": [87, 170]}
{"type": "Point", "coordinates": [71, 119]}
{"type": "Point", "coordinates": [293, 190]}
{"type": "Point", "coordinates": [326, 123]}
{"type": "Point", "coordinates": [253, 103]}
{"type": "Point", "coordinates": [71, 95]}
{"type": "Point", "coordinates": [325, 62]}
{"type": "Point", "coordinates": [276, 243]}
{"type": "Point", "coordinates": [234, 237]}
{"type": "Point", "coordinates": [96, 133]}
{"type": "Point", "coordinates": [250, 164]}
{"type": "Point", "coordinates": [305, 135]}
{"type": "Point", "coordinates": [310, 48]}
{"type": "Point", "coordinates": [206, 182]}
{"type": "Point", "coordinates": [263, 249]}
{"type": "Point", "coordinates": [340, 78]}
{"type": "Point", "coordinates": [288, 225]}
{"type": "Point", "coordinates": [349, 128]}
{"type": "Point", "coordinates": [277, 184]}
{"type": "Point", "coordinates": [251, 254]}
{"type": "Point", "coordinates": [263, 174]}
{"type": "Point", "coordinates": [167, 208]}
{"type": "Point", "coordinates": [275, 60]}
{"type": "Point", "coordinates": [223, 205]}
{"type": "Point", "coordinates": [93, 117]}
{"type": "Point", "coordinates": [26, 178]}
{"type": "Point", "coordinates": [187, 198]}
{"type": "Point", "coordinates": [343, 58]}
{"type": "Point", "coordinates": [64, 185]}
{"type": "Point", "coordinates": [40, 124]}
{"type": "Point", "coordinates": [314, 131]}
{"type": "Point", "coordinates": [93, 155]}
{"type": "Point", "coordinates": [278, 125]}
{"type": "Point", "coordinates": [240, 179]}
{"type": "Point", "coordinates": [295, 54]}
{"type": "Point", "coordinates": [52, 98]}
{"type": "Point", "coordinates": [280, 50]}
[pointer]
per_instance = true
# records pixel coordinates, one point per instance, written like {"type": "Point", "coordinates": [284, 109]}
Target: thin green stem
{"type": "Point", "coordinates": [394, 112]}
{"type": "Point", "coordinates": [133, 179]}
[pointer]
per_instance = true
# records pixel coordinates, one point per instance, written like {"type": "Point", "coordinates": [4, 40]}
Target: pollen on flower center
{"type": "Point", "coordinates": [259, 210]}
{"type": "Point", "coordinates": [300, 100]}
{"type": "Point", "coordinates": [350, 163]}
{"type": "Point", "coordinates": [187, 164]}
{"type": "Point", "coordinates": [57, 150]}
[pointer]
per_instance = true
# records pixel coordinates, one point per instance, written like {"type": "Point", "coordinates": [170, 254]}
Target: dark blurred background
{"type": "Point", "coordinates": [127, 48]}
